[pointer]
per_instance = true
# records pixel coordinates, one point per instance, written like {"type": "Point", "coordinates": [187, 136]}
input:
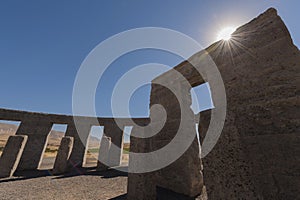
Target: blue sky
{"type": "Point", "coordinates": [43, 43]}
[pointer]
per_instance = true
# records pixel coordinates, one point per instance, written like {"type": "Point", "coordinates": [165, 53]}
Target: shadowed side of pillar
{"type": "Point", "coordinates": [257, 154]}
{"type": "Point", "coordinates": [103, 158]}
{"type": "Point", "coordinates": [183, 175]}
{"type": "Point", "coordinates": [80, 133]}
{"type": "Point", "coordinates": [113, 131]}
{"type": "Point", "coordinates": [37, 131]}
{"type": "Point", "coordinates": [140, 185]}
{"type": "Point", "coordinates": [11, 155]}
{"type": "Point", "coordinates": [63, 155]}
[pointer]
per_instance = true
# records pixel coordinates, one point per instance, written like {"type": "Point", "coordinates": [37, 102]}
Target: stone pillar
{"type": "Point", "coordinates": [63, 155]}
{"type": "Point", "coordinates": [182, 176]}
{"type": "Point", "coordinates": [37, 131]}
{"type": "Point", "coordinates": [80, 133]}
{"type": "Point", "coordinates": [103, 158]}
{"type": "Point", "coordinates": [115, 152]}
{"type": "Point", "coordinates": [11, 155]}
{"type": "Point", "coordinates": [257, 155]}
{"type": "Point", "coordinates": [140, 185]}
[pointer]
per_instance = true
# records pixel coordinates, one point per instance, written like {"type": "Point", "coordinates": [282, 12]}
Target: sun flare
{"type": "Point", "coordinates": [225, 34]}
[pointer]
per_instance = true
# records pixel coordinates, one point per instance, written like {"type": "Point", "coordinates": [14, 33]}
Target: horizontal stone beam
{"type": "Point", "coordinates": [16, 115]}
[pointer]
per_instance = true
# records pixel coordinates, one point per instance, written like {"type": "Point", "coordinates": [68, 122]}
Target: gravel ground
{"type": "Point", "coordinates": [41, 185]}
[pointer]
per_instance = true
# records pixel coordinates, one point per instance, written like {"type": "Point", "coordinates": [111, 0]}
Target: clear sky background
{"type": "Point", "coordinates": [43, 43]}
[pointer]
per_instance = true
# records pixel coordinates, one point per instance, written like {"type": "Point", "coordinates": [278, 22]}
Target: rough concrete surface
{"type": "Point", "coordinates": [257, 155]}
{"type": "Point", "coordinates": [63, 155]}
{"type": "Point", "coordinates": [11, 155]}
{"type": "Point", "coordinates": [103, 153]}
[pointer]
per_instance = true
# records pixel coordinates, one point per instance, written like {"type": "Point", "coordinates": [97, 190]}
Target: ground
{"type": "Point", "coordinates": [81, 184]}
{"type": "Point", "coordinates": [42, 185]}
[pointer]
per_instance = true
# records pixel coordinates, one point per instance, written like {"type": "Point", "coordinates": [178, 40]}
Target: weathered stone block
{"type": "Point", "coordinates": [11, 155]}
{"type": "Point", "coordinates": [103, 158]}
{"type": "Point", "coordinates": [115, 151]}
{"type": "Point", "coordinates": [140, 185]}
{"type": "Point", "coordinates": [37, 131]}
{"type": "Point", "coordinates": [259, 139]}
{"type": "Point", "coordinates": [63, 155]}
{"type": "Point", "coordinates": [183, 175]}
{"type": "Point", "coordinates": [80, 133]}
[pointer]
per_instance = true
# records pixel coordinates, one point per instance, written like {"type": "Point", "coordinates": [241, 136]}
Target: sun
{"type": "Point", "coordinates": [225, 34]}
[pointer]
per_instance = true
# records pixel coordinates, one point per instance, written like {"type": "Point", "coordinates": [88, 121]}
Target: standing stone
{"type": "Point", "coordinates": [37, 131]}
{"type": "Point", "coordinates": [257, 155]}
{"type": "Point", "coordinates": [11, 155]}
{"type": "Point", "coordinates": [103, 158]}
{"type": "Point", "coordinates": [140, 185]}
{"type": "Point", "coordinates": [115, 152]}
{"type": "Point", "coordinates": [63, 155]}
{"type": "Point", "coordinates": [80, 133]}
{"type": "Point", "coordinates": [184, 174]}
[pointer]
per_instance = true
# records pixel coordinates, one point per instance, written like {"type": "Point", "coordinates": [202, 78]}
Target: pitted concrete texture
{"type": "Point", "coordinates": [184, 174]}
{"type": "Point", "coordinates": [11, 155]}
{"type": "Point", "coordinates": [103, 159]}
{"type": "Point", "coordinates": [63, 155]}
{"type": "Point", "coordinates": [257, 155]}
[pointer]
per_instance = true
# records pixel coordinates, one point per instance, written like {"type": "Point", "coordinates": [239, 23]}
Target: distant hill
{"type": "Point", "coordinates": [7, 130]}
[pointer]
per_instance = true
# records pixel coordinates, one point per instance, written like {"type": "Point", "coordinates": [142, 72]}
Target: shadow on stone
{"type": "Point", "coordinates": [121, 197]}
{"type": "Point", "coordinates": [163, 194]}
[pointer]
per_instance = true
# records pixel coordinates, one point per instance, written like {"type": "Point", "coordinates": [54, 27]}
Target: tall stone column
{"type": "Point", "coordinates": [183, 176]}
{"type": "Point", "coordinates": [140, 185]}
{"type": "Point", "coordinates": [11, 155]}
{"type": "Point", "coordinates": [115, 152]}
{"type": "Point", "coordinates": [37, 131]}
{"type": "Point", "coordinates": [80, 133]}
{"type": "Point", "coordinates": [257, 155]}
{"type": "Point", "coordinates": [103, 157]}
{"type": "Point", "coordinates": [63, 154]}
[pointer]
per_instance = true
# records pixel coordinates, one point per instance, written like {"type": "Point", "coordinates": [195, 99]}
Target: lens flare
{"type": "Point", "coordinates": [225, 34]}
